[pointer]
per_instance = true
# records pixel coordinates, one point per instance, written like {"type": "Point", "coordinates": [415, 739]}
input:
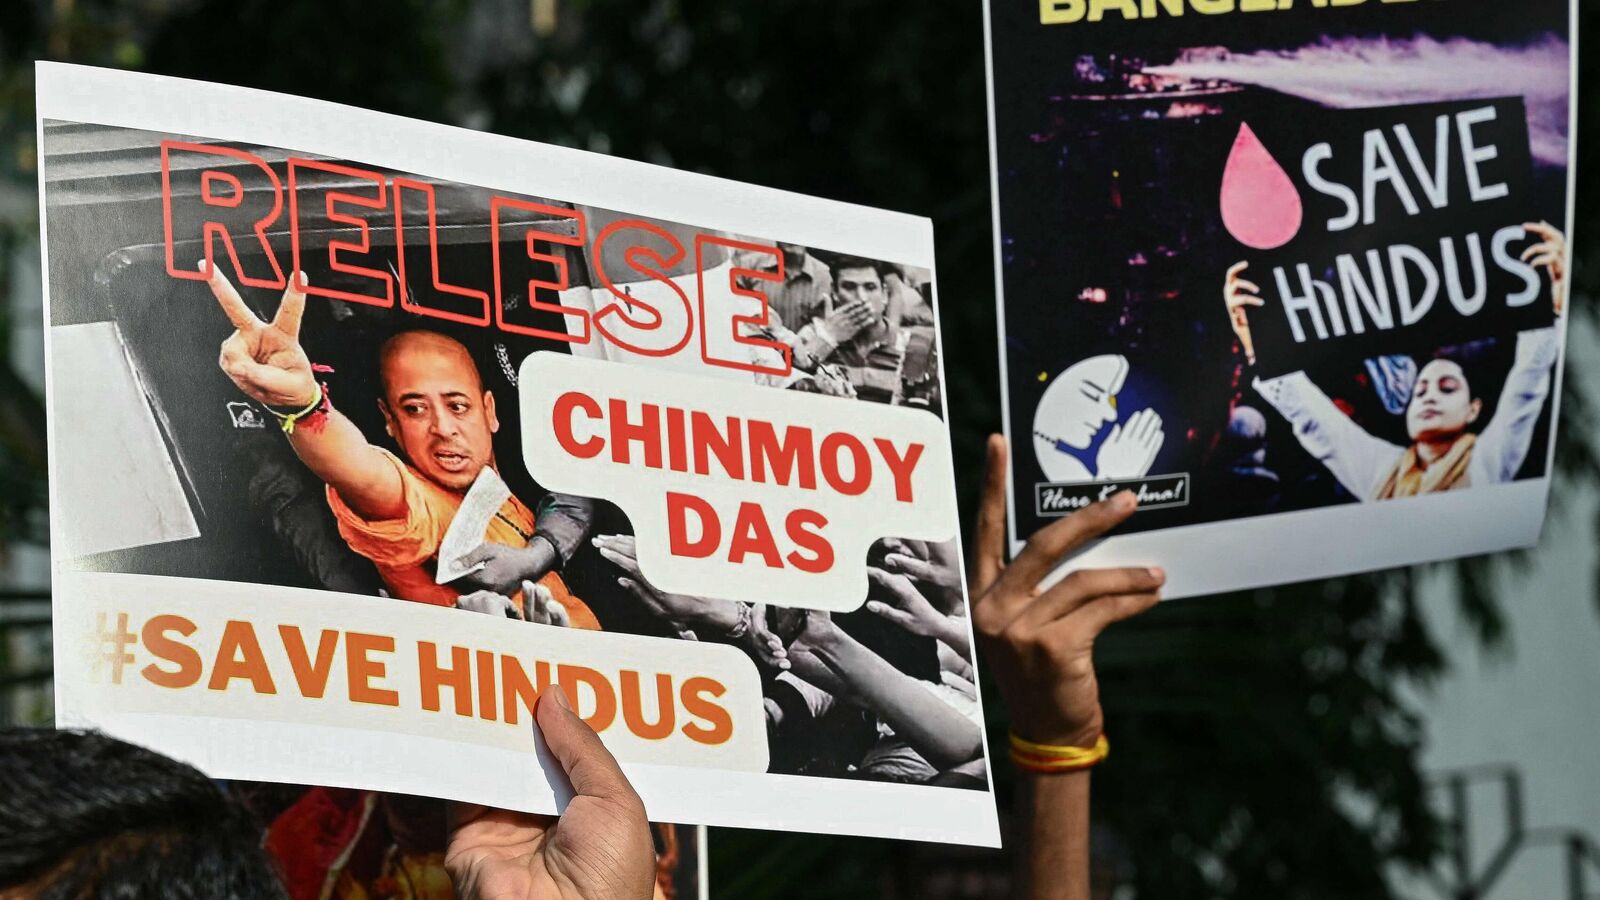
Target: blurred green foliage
{"type": "Point", "coordinates": [1265, 746]}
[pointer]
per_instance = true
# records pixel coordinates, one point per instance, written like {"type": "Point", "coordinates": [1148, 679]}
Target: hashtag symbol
{"type": "Point", "coordinates": [115, 646]}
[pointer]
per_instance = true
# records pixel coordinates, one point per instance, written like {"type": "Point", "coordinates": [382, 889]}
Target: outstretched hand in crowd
{"type": "Point", "coordinates": [744, 623]}
{"type": "Point", "coordinates": [1040, 643]}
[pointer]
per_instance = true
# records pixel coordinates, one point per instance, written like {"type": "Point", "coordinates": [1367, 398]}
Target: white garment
{"type": "Point", "coordinates": [1361, 462]}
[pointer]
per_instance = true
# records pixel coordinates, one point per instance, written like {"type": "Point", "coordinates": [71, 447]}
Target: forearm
{"type": "Point", "coordinates": [815, 672]}
{"type": "Point", "coordinates": [952, 632]}
{"type": "Point", "coordinates": [943, 736]}
{"type": "Point", "coordinates": [714, 617]}
{"type": "Point", "coordinates": [565, 521]}
{"type": "Point", "coordinates": [338, 453]}
{"type": "Point", "coordinates": [1504, 442]}
{"type": "Point", "coordinates": [1054, 835]}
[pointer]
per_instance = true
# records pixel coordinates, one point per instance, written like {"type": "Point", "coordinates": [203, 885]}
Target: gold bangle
{"type": "Point", "coordinates": [1050, 758]}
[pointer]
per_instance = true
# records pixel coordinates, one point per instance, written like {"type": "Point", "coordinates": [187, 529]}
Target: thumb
{"type": "Point", "coordinates": [589, 766]}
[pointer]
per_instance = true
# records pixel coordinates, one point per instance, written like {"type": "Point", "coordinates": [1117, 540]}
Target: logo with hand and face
{"type": "Point", "coordinates": [1076, 408]}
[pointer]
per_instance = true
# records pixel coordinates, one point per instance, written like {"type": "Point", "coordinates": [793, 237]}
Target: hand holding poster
{"type": "Point", "coordinates": [1264, 270]}
{"type": "Point", "coordinates": [370, 376]}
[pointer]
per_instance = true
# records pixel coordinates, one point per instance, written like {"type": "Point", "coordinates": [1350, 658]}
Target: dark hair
{"type": "Point", "coordinates": [1476, 369]}
{"type": "Point", "coordinates": [860, 262]}
{"type": "Point", "coordinates": [84, 816]}
{"type": "Point", "coordinates": [1468, 362]}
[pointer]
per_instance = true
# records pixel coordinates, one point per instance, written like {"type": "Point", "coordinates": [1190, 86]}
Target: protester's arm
{"type": "Point", "coordinates": [1505, 440]}
{"type": "Point", "coordinates": [943, 736]}
{"type": "Point", "coordinates": [564, 521]}
{"type": "Point", "coordinates": [560, 527]}
{"type": "Point", "coordinates": [598, 849]}
{"type": "Point", "coordinates": [904, 605]}
{"type": "Point", "coordinates": [707, 617]}
{"type": "Point", "coordinates": [266, 361]}
{"type": "Point", "coordinates": [833, 326]}
{"type": "Point", "coordinates": [1354, 457]}
{"type": "Point", "coordinates": [1040, 648]}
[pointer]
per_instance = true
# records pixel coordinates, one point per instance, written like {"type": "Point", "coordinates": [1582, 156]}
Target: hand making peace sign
{"type": "Point", "coordinates": [265, 358]}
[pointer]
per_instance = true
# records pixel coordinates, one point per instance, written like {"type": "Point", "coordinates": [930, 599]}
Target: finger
{"type": "Point", "coordinates": [1095, 617]}
{"type": "Point", "coordinates": [1083, 587]}
{"type": "Point", "coordinates": [625, 563]}
{"type": "Point", "coordinates": [1543, 229]}
{"type": "Point", "coordinates": [645, 595]}
{"type": "Point", "coordinates": [1133, 429]}
{"type": "Point", "coordinates": [234, 355]}
{"type": "Point", "coordinates": [481, 553]}
{"type": "Point", "coordinates": [911, 567]}
{"type": "Point", "coordinates": [559, 616]}
{"type": "Point", "coordinates": [897, 616]}
{"type": "Point", "coordinates": [620, 543]}
{"type": "Point", "coordinates": [477, 601]}
{"type": "Point", "coordinates": [233, 306]}
{"type": "Point", "coordinates": [1237, 268]}
{"type": "Point", "coordinates": [1153, 425]}
{"type": "Point", "coordinates": [537, 597]}
{"type": "Point", "coordinates": [1246, 286]}
{"type": "Point", "coordinates": [1543, 247]}
{"type": "Point", "coordinates": [902, 591]}
{"type": "Point", "coordinates": [509, 609]}
{"type": "Point", "coordinates": [775, 646]}
{"type": "Point", "coordinates": [590, 767]}
{"type": "Point", "coordinates": [989, 537]}
{"type": "Point", "coordinates": [293, 306]}
{"type": "Point", "coordinates": [900, 546]}
{"type": "Point", "coordinates": [758, 623]}
{"type": "Point", "coordinates": [1545, 259]}
{"type": "Point", "coordinates": [1050, 543]}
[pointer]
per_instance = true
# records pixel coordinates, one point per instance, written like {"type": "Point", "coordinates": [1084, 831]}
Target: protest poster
{"type": "Point", "coordinates": [1295, 273]}
{"type": "Point", "coordinates": [364, 430]}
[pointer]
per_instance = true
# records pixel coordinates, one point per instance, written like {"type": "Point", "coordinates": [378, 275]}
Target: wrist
{"type": "Point", "coordinates": [309, 394]}
{"type": "Point", "coordinates": [1082, 734]}
{"type": "Point", "coordinates": [544, 551]}
{"type": "Point", "coordinates": [1057, 759]}
{"type": "Point", "coordinates": [946, 628]}
{"type": "Point", "coordinates": [731, 619]}
{"type": "Point", "coordinates": [824, 640]}
{"type": "Point", "coordinates": [311, 415]}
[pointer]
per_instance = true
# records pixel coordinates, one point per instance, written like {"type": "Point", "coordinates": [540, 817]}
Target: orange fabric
{"type": "Point", "coordinates": [1410, 478]}
{"type": "Point", "coordinates": [405, 549]}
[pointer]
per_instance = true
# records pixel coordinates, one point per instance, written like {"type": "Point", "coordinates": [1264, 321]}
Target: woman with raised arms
{"type": "Point", "coordinates": [1446, 453]}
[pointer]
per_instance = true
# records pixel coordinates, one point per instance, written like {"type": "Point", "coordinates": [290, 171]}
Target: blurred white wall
{"type": "Point", "coordinates": [1535, 703]}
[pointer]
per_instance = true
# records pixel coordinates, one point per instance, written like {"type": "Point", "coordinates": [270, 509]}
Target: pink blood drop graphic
{"type": "Point", "coordinates": [1260, 206]}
